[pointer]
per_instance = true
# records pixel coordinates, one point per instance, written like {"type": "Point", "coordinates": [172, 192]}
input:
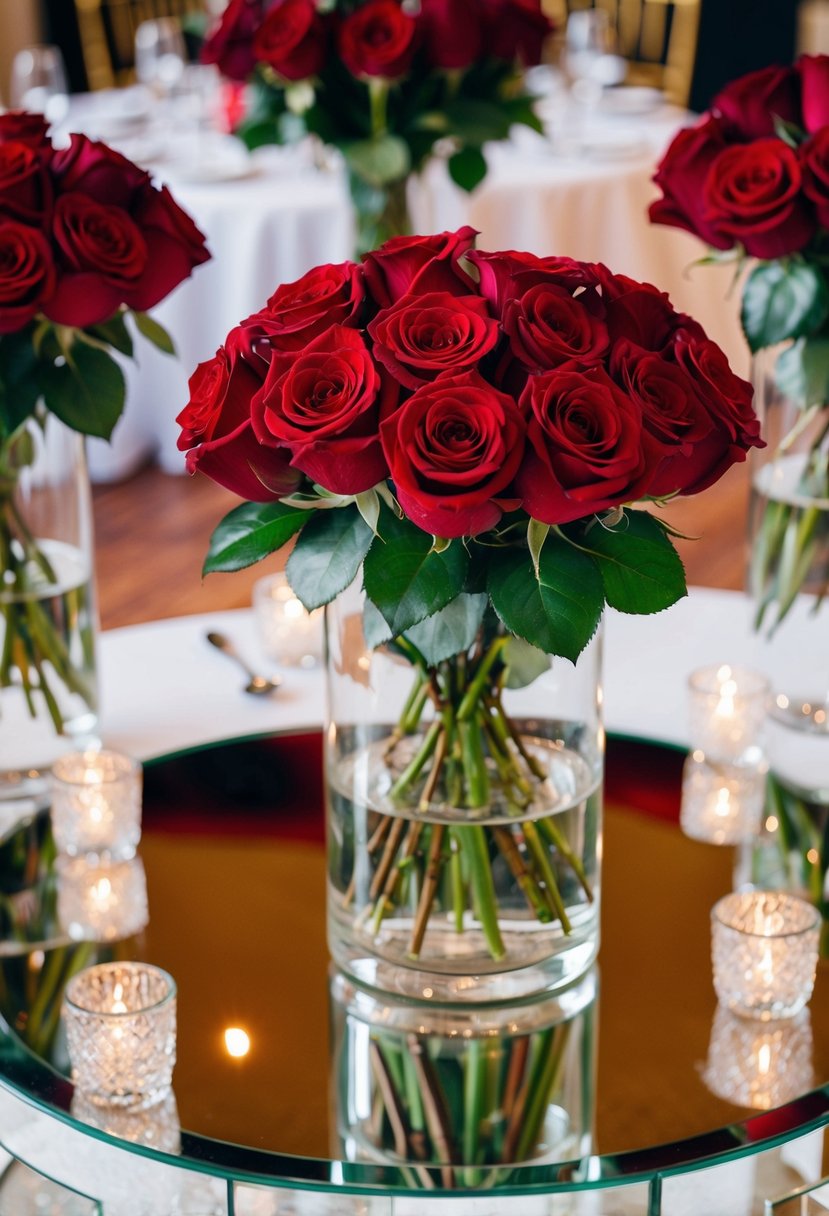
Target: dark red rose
{"type": "Point", "coordinates": [504, 275]}
{"type": "Point", "coordinates": [451, 32]}
{"type": "Point", "coordinates": [21, 127]}
{"type": "Point", "coordinates": [217, 434]}
{"type": "Point", "coordinates": [407, 264]}
{"type": "Point", "coordinates": [423, 335]}
{"type": "Point", "coordinates": [547, 326]}
{"type": "Point", "coordinates": [453, 450]}
{"type": "Point", "coordinates": [753, 194]}
{"type": "Point", "coordinates": [640, 313]}
{"type": "Point", "coordinates": [297, 312]}
{"type": "Point", "coordinates": [230, 44]}
{"type": "Point", "coordinates": [325, 406]}
{"type": "Point", "coordinates": [813, 71]}
{"type": "Point", "coordinates": [24, 186]}
{"type": "Point", "coordinates": [681, 176]}
{"type": "Point", "coordinates": [291, 39]}
{"type": "Point", "coordinates": [515, 30]}
{"type": "Point", "coordinates": [750, 105]}
{"type": "Point", "coordinates": [815, 160]}
{"type": "Point", "coordinates": [94, 169]}
{"type": "Point", "coordinates": [175, 246]}
{"type": "Point", "coordinates": [586, 450]}
{"type": "Point", "coordinates": [378, 39]}
{"type": "Point", "coordinates": [27, 274]}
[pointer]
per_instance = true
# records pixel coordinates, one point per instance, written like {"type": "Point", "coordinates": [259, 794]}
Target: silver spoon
{"type": "Point", "coordinates": [257, 685]}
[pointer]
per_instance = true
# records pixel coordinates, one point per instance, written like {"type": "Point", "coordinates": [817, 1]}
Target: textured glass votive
{"type": "Point", "coordinates": [727, 709]}
{"type": "Point", "coordinates": [103, 903]}
{"type": "Point", "coordinates": [121, 1033]}
{"type": "Point", "coordinates": [721, 803]}
{"type": "Point", "coordinates": [288, 633]}
{"type": "Point", "coordinates": [156, 1126]}
{"type": "Point", "coordinates": [96, 804]}
{"type": "Point", "coordinates": [759, 1064]}
{"type": "Point", "coordinates": [764, 948]}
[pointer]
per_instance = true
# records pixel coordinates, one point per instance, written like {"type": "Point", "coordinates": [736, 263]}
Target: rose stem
{"type": "Point", "coordinates": [394, 1108]}
{"type": "Point", "coordinates": [396, 871]}
{"type": "Point", "coordinates": [434, 773]}
{"type": "Point", "coordinates": [473, 841]}
{"type": "Point", "coordinates": [412, 770]}
{"type": "Point", "coordinates": [542, 861]}
{"type": "Point", "coordinates": [559, 841]}
{"type": "Point", "coordinates": [434, 1109]}
{"type": "Point", "coordinates": [389, 854]}
{"type": "Point", "coordinates": [375, 840]}
{"type": "Point", "coordinates": [472, 696]}
{"type": "Point", "coordinates": [515, 1073]}
{"type": "Point", "coordinates": [548, 1073]}
{"type": "Point", "coordinates": [534, 764]}
{"type": "Point", "coordinates": [509, 848]}
{"type": "Point", "coordinates": [458, 894]}
{"type": "Point", "coordinates": [474, 764]}
{"type": "Point", "coordinates": [541, 1044]}
{"type": "Point", "coordinates": [510, 777]}
{"type": "Point", "coordinates": [473, 1101]}
{"type": "Point", "coordinates": [418, 1134]}
{"type": "Point", "coordinates": [427, 891]}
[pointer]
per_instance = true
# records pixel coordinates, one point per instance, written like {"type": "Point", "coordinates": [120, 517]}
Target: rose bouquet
{"type": "Point", "coordinates": [470, 429]}
{"type": "Point", "coordinates": [751, 179]}
{"type": "Point", "coordinates": [86, 241]}
{"type": "Point", "coordinates": [384, 81]}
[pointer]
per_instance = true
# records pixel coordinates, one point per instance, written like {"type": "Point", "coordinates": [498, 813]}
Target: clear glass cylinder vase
{"type": "Point", "coordinates": [48, 615]}
{"type": "Point", "coordinates": [464, 814]}
{"type": "Point", "coordinates": [458, 1096]}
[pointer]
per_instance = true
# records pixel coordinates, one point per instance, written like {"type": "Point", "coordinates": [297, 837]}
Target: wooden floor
{"type": "Point", "coordinates": [152, 532]}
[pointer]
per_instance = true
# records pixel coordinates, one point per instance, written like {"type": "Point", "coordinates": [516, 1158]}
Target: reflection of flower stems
{"type": "Point", "coordinates": [803, 837]}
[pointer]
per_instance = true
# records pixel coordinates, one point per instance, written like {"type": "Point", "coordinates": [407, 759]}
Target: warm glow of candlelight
{"type": "Point", "coordinates": [237, 1042]}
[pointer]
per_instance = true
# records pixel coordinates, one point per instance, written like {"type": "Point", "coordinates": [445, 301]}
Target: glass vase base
{"type": "Point", "coordinates": [489, 983]}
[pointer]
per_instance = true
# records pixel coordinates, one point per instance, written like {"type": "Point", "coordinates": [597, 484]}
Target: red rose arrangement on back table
{"type": "Point", "coordinates": [86, 240]}
{"type": "Point", "coordinates": [751, 179]}
{"type": "Point", "coordinates": [384, 82]}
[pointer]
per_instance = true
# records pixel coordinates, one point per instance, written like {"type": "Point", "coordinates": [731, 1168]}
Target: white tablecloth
{"type": "Point", "coordinates": [165, 689]}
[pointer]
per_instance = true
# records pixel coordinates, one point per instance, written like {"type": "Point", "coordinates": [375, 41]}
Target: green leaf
{"type": "Point", "coordinates": [467, 168]}
{"type": "Point", "coordinates": [19, 385]}
{"type": "Point", "coordinates": [86, 391]}
{"type": "Point", "coordinates": [113, 333]}
{"type": "Point", "coordinates": [781, 300]}
{"type": "Point", "coordinates": [406, 578]}
{"type": "Point", "coordinates": [153, 332]}
{"type": "Point", "coordinates": [802, 371]}
{"type": "Point", "coordinates": [559, 611]}
{"type": "Point", "coordinates": [640, 568]}
{"type": "Point", "coordinates": [475, 121]}
{"type": "Point", "coordinates": [524, 663]}
{"type": "Point", "coordinates": [450, 631]}
{"type": "Point", "coordinates": [378, 161]}
{"type": "Point", "coordinates": [537, 533]}
{"type": "Point", "coordinates": [250, 532]}
{"type": "Point", "coordinates": [375, 629]}
{"type": "Point", "coordinates": [328, 555]}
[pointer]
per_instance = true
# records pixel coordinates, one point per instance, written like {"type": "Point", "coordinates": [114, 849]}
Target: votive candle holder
{"type": "Point", "coordinates": [103, 903]}
{"type": "Point", "coordinates": [727, 709]}
{"type": "Point", "coordinates": [764, 950]}
{"type": "Point", "coordinates": [96, 804]}
{"type": "Point", "coordinates": [289, 634]}
{"type": "Point", "coordinates": [721, 804]}
{"type": "Point", "coordinates": [121, 1033]}
{"type": "Point", "coordinates": [759, 1064]}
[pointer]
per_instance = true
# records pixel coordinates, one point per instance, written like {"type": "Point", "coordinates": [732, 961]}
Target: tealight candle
{"type": "Point", "coordinates": [96, 804]}
{"type": "Point", "coordinates": [102, 903]}
{"type": "Point", "coordinates": [121, 1033]}
{"type": "Point", "coordinates": [759, 1064]}
{"type": "Point", "coordinates": [727, 708]}
{"type": "Point", "coordinates": [289, 634]}
{"type": "Point", "coordinates": [721, 804]}
{"type": "Point", "coordinates": [764, 948]}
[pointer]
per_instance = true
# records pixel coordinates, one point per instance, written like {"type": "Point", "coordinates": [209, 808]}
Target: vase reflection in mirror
{"type": "Point", "coordinates": [459, 1096]}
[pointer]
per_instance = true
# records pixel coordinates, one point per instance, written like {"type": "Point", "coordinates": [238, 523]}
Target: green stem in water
{"type": "Point", "coordinates": [473, 841]}
{"type": "Point", "coordinates": [542, 862]}
{"type": "Point", "coordinates": [415, 766]}
{"type": "Point", "coordinates": [474, 692]}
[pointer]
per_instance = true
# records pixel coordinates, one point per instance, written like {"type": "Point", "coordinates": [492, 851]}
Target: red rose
{"type": "Point", "coordinates": [681, 175]}
{"type": "Point", "coordinates": [516, 29]}
{"type": "Point", "coordinates": [174, 243]}
{"type": "Point", "coordinates": [27, 274]}
{"type": "Point", "coordinates": [753, 194]}
{"type": "Point", "coordinates": [291, 39]}
{"type": "Point", "coordinates": [297, 312]}
{"type": "Point", "coordinates": [499, 272]}
{"type": "Point", "coordinates": [378, 39]}
{"type": "Point", "coordinates": [585, 447]}
{"type": "Point", "coordinates": [640, 313]}
{"type": "Point", "coordinates": [94, 169]}
{"type": "Point", "coordinates": [230, 44]}
{"type": "Point", "coordinates": [216, 428]}
{"type": "Point", "coordinates": [815, 160]}
{"type": "Point", "coordinates": [423, 335]}
{"type": "Point", "coordinates": [453, 450]}
{"type": "Point", "coordinates": [814, 91]}
{"type": "Point", "coordinates": [451, 31]}
{"type": "Point", "coordinates": [23, 183]}
{"type": "Point", "coordinates": [406, 264]}
{"type": "Point", "coordinates": [547, 326]}
{"type": "Point", "coordinates": [325, 406]}
{"type": "Point", "coordinates": [21, 127]}
{"type": "Point", "coordinates": [750, 105]}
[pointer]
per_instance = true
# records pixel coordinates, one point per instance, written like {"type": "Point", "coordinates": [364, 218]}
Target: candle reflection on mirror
{"type": "Point", "coordinates": [759, 1064]}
